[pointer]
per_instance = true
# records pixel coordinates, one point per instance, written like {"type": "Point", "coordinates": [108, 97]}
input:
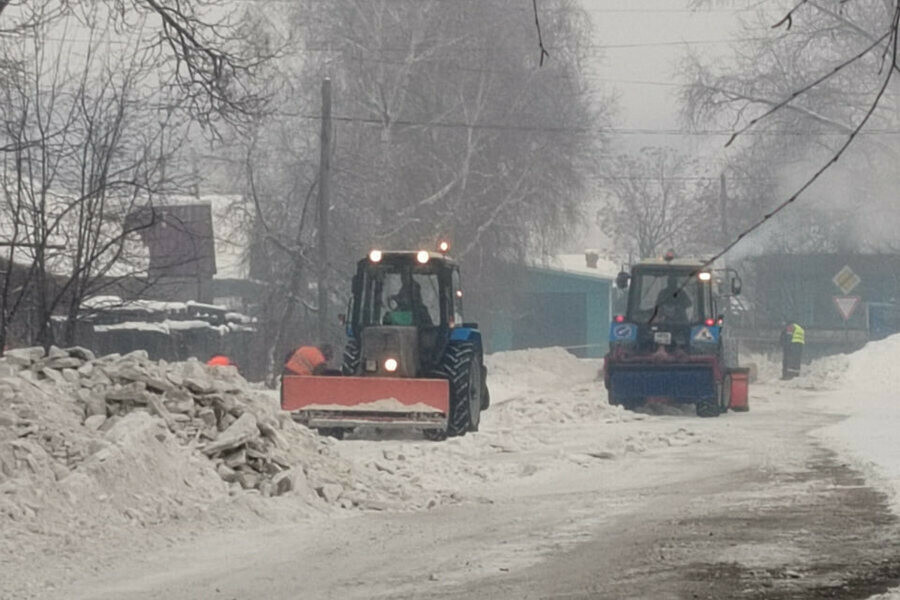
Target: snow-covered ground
{"type": "Point", "coordinates": [548, 412]}
{"type": "Point", "coordinates": [549, 450]}
{"type": "Point", "coordinates": [864, 387]}
{"type": "Point", "coordinates": [870, 395]}
{"type": "Point", "coordinates": [869, 436]}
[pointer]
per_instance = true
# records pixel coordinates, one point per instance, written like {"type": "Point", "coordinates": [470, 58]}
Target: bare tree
{"type": "Point", "coordinates": [447, 126]}
{"type": "Point", "coordinates": [206, 49]}
{"type": "Point", "coordinates": [816, 84]}
{"type": "Point", "coordinates": [657, 200]}
{"type": "Point", "coordinates": [86, 149]}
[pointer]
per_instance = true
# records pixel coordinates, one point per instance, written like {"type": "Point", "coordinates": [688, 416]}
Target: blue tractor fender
{"type": "Point", "coordinates": [466, 334]}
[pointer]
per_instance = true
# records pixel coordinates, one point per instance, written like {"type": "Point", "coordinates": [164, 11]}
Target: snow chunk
{"type": "Point", "coordinates": [383, 405]}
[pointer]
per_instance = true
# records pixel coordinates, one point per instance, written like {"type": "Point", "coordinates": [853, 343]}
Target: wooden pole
{"type": "Point", "coordinates": [723, 207]}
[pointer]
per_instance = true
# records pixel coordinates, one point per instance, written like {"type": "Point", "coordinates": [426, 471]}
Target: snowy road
{"type": "Point", "coordinates": [587, 502]}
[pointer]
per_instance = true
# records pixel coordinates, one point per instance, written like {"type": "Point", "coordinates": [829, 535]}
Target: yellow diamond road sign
{"type": "Point", "coordinates": [846, 279]}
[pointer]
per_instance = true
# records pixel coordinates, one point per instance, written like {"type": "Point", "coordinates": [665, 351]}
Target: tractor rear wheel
{"type": "Point", "coordinates": [708, 407]}
{"type": "Point", "coordinates": [461, 366]}
{"type": "Point", "coordinates": [725, 394]}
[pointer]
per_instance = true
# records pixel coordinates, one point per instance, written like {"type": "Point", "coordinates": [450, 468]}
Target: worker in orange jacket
{"type": "Point", "coordinates": [220, 360]}
{"type": "Point", "coordinates": [308, 360]}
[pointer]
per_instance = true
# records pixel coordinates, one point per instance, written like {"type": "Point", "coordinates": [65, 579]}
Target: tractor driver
{"type": "Point", "coordinates": [673, 303]}
{"type": "Point", "coordinates": [409, 298]}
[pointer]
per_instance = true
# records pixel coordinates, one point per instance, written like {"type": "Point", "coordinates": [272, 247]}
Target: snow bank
{"type": "Point", "coordinates": [870, 395]}
{"type": "Point", "coordinates": [97, 447]}
{"type": "Point", "coordinates": [826, 373]}
{"type": "Point", "coordinates": [517, 373]}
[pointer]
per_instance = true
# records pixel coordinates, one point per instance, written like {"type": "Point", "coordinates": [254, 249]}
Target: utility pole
{"type": "Point", "coordinates": [322, 208]}
{"type": "Point", "coordinates": [723, 207]}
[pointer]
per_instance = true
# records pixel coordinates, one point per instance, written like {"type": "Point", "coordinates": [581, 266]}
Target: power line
{"type": "Point", "coordinates": [552, 129]}
{"type": "Point", "coordinates": [678, 43]}
{"type": "Point", "coordinates": [406, 50]}
{"type": "Point", "coordinates": [590, 46]}
{"type": "Point", "coordinates": [553, 10]}
{"type": "Point", "coordinates": [676, 178]}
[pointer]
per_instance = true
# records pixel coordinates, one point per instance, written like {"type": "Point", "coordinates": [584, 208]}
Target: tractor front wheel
{"type": "Point", "coordinates": [461, 366]}
{"type": "Point", "coordinates": [435, 435]}
{"type": "Point", "coordinates": [332, 432]}
{"type": "Point", "coordinates": [350, 362]}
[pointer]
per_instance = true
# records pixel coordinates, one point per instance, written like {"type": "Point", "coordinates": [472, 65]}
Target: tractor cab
{"type": "Point", "coordinates": [402, 311]}
{"type": "Point", "coordinates": [674, 303]}
{"type": "Point", "coordinates": [670, 294]}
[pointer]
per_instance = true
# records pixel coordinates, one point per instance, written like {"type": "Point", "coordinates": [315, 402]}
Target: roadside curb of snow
{"type": "Point", "coordinates": [868, 402]}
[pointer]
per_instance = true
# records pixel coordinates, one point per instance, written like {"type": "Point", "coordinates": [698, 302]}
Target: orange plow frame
{"type": "Point", "coordinates": [324, 401]}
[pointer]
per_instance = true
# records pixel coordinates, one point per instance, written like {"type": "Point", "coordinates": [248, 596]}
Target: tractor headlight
{"type": "Point", "coordinates": [704, 275]}
{"type": "Point", "coordinates": [422, 256]}
{"type": "Point", "coordinates": [375, 256]}
{"type": "Point", "coordinates": [390, 365]}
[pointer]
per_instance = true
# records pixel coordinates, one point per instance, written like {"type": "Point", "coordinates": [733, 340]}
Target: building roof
{"type": "Point", "coordinates": [577, 264]}
{"type": "Point", "coordinates": [675, 262]}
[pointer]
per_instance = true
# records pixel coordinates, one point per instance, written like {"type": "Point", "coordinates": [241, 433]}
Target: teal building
{"type": "Point", "coordinates": [566, 303]}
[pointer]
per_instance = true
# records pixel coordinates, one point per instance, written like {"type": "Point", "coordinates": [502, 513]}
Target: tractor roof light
{"type": "Point", "coordinates": [444, 246]}
{"type": "Point", "coordinates": [375, 256]}
{"type": "Point", "coordinates": [704, 276]}
{"type": "Point", "coordinates": [422, 256]}
{"type": "Point", "coordinates": [669, 255]}
{"type": "Point", "coordinates": [390, 365]}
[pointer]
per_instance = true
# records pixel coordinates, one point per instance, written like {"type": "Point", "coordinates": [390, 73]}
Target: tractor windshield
{"type": "Point", "coordinates": [655, 297]}
{"type": "Point", "coordinates": [400, 295]}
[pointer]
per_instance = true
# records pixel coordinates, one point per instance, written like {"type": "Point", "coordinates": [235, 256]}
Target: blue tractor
{"type": "Point", "coordinates": [410, 361]}
{"type": "Point", "coordinates": [671, 343]}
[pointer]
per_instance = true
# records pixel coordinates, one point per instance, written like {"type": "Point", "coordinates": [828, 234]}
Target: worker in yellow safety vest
{"type": "Point", "coordinates": [793, 338]}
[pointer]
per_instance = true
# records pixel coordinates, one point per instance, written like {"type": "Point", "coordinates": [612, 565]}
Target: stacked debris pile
{"type": "Point", "coordinates": [172, 331]}
{"type": "Point", "coordinates": [88, 441]}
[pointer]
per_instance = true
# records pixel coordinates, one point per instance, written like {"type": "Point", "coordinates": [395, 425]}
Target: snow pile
{"type": "Point", "coordinates": [516, 374]}
{"type": "Point", "coordinates": [548, 386]}
{"type": "Point", "coordinates": [871, 397]}
{"type": "Point", "coordinates": [385, 405]}
{"type": "Point", "coordinates": [121, 441]}
{"type": "Point", "coordinates": [822, 374]}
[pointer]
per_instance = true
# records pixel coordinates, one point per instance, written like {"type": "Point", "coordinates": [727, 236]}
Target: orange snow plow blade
{"type": "Point", "coordinates": [355, 401]}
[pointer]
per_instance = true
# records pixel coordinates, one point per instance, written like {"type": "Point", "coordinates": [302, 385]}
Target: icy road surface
{"type": "Point", "coordinates": [561, 496]}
